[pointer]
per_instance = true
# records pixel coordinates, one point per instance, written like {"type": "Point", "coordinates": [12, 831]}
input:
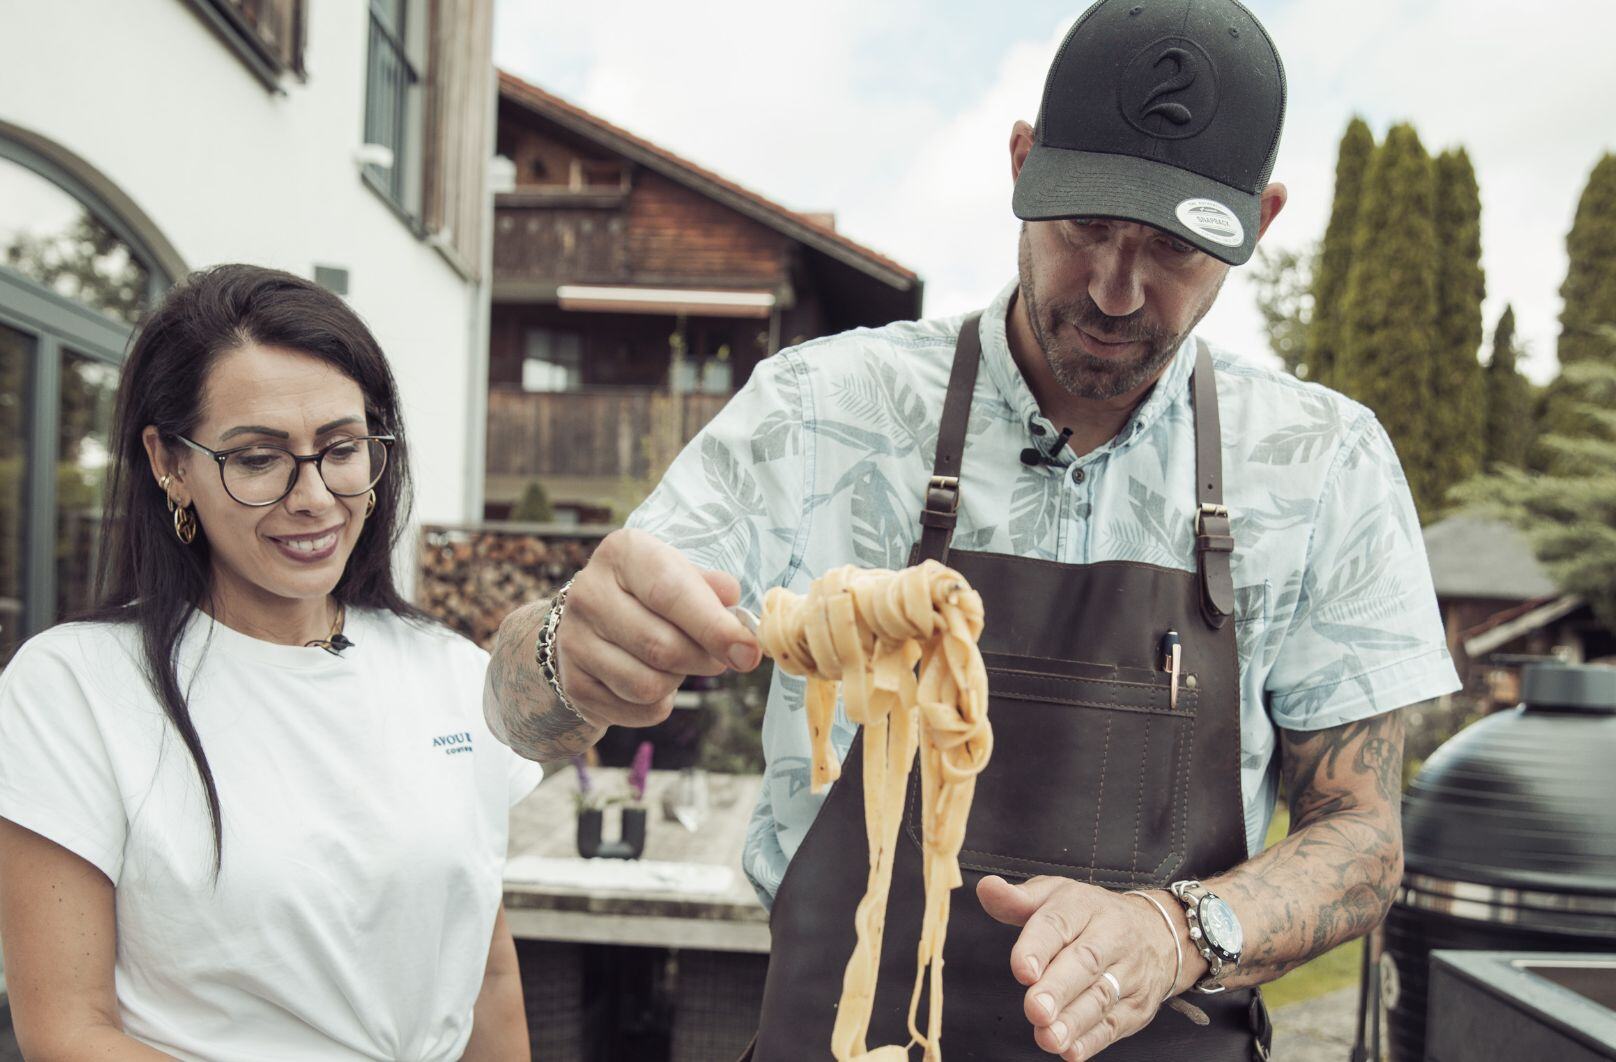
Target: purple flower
{"type": "Point", "coordinates": [640, 771]}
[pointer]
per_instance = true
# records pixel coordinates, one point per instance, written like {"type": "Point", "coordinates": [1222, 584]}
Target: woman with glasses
{"type": "Point", "coordinates": [250, 808]}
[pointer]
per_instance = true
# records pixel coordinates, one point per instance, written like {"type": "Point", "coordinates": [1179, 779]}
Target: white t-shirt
{"type": "Point", "coordinates": [365, 823]}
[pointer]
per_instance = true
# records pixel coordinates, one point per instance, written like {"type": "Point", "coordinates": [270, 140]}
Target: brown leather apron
{"type": "Point", "coordinates": [1093, 777]}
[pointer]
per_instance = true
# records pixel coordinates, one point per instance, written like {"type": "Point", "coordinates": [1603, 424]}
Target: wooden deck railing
{"type": "Point", "coordinates": [592, 433]}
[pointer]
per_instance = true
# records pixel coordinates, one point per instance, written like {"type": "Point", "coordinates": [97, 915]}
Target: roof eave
{"type": "Point", "coordinates": [780, 220]}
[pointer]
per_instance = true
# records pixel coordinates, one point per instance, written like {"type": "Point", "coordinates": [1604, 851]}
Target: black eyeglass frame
{"type": "Point", "coordinates": [298, 461]}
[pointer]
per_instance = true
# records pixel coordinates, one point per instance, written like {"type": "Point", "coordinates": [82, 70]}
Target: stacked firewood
{"type": "Point", "coordinates": [472, 579]}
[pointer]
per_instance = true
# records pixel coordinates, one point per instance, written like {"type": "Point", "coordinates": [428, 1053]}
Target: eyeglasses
{"type": "Point", "coordinates": [262, 474]}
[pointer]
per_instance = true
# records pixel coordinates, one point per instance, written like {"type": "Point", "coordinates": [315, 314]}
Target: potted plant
{"type": "Point", "coordinates": [630, 842]}
{"type": "Point", "coordinates": [639, 774]}
{"type": "Point", "coordinates": [588, 803]}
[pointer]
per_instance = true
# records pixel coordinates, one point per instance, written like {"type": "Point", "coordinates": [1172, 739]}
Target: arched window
{"type": "Point", "coordinates": [76, 273]}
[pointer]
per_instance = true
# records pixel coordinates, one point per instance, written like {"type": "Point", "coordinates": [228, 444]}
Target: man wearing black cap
{"type": "Point", "coordinates": [1162, 643]}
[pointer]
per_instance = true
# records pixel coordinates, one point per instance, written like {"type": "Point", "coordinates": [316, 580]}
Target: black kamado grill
{"type": "Point", "coordinates": [1510, 837]}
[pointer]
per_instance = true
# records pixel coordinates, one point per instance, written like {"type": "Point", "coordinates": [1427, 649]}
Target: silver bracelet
{"type": "Point", "coordinates": [544, 652]}
{"type": "Point", "coordinates": [1172, 931]}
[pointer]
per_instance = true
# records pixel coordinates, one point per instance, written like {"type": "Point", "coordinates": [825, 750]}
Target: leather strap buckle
{"type": "Point", "coordinates": [1208, 510]}
{"type": "Point", "coordinates": [1262, 1028]}
{"type": "Point", "coordinates": [1212, 532]}
{"type": "Point", "coordinates": [942, 502]}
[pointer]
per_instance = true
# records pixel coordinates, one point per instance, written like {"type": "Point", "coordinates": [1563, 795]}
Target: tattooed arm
{"type": "Point", "coordinates": [1329, 881]}
{"type": "Point", "coordinates": [639, 618]}
{"type": "Point", "coordinates": [1333, 878]}
{"type": "Point", "coordinates": [518, 704]}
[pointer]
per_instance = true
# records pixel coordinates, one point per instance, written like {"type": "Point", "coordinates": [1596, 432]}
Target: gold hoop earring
{"type": "Point", "coordinates": [370, 504]}
{"type": "Point", "coordinates": [162, 485]}
{"type": "Point", "coordinates": [184, 524]}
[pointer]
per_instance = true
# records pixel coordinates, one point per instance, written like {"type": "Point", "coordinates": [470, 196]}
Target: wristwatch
{"type": "Point", "coordinates": [1214, 931]}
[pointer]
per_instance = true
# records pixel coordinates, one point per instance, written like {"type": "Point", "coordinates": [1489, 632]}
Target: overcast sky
{"type": "Point", "coordinates": [896, 115]}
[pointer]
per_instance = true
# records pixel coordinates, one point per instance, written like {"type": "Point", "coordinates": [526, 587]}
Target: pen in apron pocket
{"type": "Point", "coordinates": [1172, 659]}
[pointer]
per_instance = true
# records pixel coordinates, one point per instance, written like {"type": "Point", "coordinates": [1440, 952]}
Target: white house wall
{"type": "Point", "coordinates": [229, 172]}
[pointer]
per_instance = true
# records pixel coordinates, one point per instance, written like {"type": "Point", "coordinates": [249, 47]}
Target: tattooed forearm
{"type": "Point", "coordinates": [1334, 877]}
{"type": "Point", "coordinates": [520, 708]}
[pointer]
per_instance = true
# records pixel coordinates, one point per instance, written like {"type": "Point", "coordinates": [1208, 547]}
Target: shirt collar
{"type": "Point", "coordinates": [1006, 376]}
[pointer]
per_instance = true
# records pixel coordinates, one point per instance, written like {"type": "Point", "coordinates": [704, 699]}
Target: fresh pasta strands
{"type": "Point", "coordinates": [902, 647]}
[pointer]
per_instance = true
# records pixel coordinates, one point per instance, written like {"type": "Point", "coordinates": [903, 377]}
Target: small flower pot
{"type": "Point", "coordinates": [589, 822]}
{"type": "Point", "coordinates": [629, 844]}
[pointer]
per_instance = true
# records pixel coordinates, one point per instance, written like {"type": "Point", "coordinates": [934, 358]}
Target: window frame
{"type": "Point", "coordinates": [59, 325]}
{"type": "Point", "coordinates": [242, 39]}
{"type": "Point", "coordinates": [401, 186]}
{"type": "Point", "coordinates": [559, 338]}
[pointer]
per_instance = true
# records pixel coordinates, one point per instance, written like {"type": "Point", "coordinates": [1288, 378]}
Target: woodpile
{"type": "Point", "coordinates": [471, 579]}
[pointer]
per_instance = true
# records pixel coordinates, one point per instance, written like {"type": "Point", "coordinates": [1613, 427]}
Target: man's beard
{"type": "Point", "coordinates": [1086, 375]}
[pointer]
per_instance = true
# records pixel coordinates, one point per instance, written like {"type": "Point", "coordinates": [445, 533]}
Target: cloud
{"type": "Point", "coordinates": [947, 213]}
{"type": "Point", "coordinates": [779, 98]}
{"type": "Point", "coordinates": [897, 117]}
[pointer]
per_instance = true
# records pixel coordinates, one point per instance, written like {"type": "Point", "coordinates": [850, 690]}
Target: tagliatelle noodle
{"type": "Point", "coordinates": [865, 631]}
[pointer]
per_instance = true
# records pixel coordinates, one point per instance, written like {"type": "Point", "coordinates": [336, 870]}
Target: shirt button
{"type": "Point", "coordinates": [1077, 475]}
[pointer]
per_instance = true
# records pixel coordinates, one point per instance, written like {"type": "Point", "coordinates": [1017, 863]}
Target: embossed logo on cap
{"type": "Point", "coordinates": [1211, 220]}
{"type": "Point", "coordinates": [1169, 89]}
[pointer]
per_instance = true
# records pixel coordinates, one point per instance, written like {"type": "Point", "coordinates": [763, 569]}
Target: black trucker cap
{"type": "Point", "coordinates": [1165, 112]}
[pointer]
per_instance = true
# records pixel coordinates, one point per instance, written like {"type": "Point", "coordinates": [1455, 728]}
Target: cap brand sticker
{"type": "Point", "coordinates": [1212, 220]}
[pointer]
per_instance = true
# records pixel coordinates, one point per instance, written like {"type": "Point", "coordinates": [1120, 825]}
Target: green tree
{"type": "Point", "coordinates": [1589, 292]}
{"type": "Point", "coordinates": [1329, 281]}
{"type": "Point", "coordinates": [1511, 405]}
{"type": "Point", "coordinates": [534, 506]}
{"type": "Point", "coordinates": [1569, 516]}
{"type": "Point", "coordinates": [1458, 413]}
{"type": "Point", "coordinates": [1285, 301]}
{"type": "Point", "coordinates": [1389, 331]}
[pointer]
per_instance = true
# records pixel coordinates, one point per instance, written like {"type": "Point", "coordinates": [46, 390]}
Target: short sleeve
{"type": "Point", "coordinates": [520, 775]}
{"type": "Point", "coordinates": [1366, 636]}
{"type": "Point", "coordinates": [525, 775]}
{"type": "Point", "coordinates": [56, 777]}
{"type": "Point", "coordinates": [734, 498]}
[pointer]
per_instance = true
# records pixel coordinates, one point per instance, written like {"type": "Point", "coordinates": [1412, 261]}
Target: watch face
{"type": "Point", "coordinates": [1221, 927]}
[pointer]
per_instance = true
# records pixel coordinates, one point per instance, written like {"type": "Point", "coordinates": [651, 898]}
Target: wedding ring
{"type": "Point", "coordinates": [1116, 986]}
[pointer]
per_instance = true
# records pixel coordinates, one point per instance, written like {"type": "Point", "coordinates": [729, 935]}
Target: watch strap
{"type": "Point", "coordinates": [1190, 893]}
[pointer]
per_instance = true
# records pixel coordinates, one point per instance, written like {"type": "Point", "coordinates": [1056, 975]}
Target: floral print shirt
{"type": "Point", "coordinates": [822, 459]}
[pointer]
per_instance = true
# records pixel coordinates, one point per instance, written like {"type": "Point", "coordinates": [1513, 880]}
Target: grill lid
{"type": "Point", "coordinates": [1577, 687]}
{"type": "Point", "coordinates": [1523, 798]}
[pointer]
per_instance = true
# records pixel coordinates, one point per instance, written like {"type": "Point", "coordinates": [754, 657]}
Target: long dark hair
{"type": "Point", "coordinates": [146, 575]}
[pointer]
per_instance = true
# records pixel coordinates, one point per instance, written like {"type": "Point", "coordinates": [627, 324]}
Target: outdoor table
{"type": "Point", "coordinates": [721, 937]}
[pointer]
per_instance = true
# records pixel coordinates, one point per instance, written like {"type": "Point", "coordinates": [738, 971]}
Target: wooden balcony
{"type": "Point", "coordinates": [602, 433]}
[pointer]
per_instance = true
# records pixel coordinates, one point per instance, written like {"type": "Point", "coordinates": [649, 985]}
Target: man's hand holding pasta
{"type": "Point", "coordinates": [638, 620]}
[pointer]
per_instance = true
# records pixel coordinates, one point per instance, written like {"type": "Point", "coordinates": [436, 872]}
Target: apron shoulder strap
{"type": "Point", "coordinates": [937, 519]}
{"type": "Point", "coordinates": [1214, 540]}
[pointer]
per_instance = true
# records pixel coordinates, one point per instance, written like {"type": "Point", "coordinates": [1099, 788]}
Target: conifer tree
{"type": "Point", "coordinates": [1589, 292]}
{"type": "Point", "coordinates": [1282, 281]}
{"type": "Point", "coordinates": [1389, 314]}
{"type": "Point", "coordinates": [1570, 516]}
{"type": "Point", "coordinates": [1458, 411]}
{"type": "Point", "coordinates": [1335, 254]}
{"type": "Point", "coordinates": [1511, 412]}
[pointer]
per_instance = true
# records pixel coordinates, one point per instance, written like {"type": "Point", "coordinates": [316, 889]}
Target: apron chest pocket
{"type": "Point", "coordinates": [1089, 777]}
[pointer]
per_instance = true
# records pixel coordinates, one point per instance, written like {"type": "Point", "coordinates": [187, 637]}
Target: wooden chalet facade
{"type": "Point", "coordinates": [1499, 606]}
{"type": "Point", "coordinates": [633, 294]}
